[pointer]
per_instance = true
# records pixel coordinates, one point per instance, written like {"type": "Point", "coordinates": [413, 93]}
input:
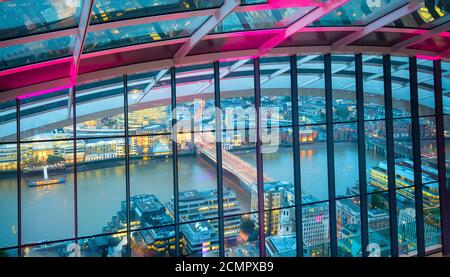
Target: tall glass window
{"type": "Point", "coordinates": [103, 183]}
{"type": "Point", "coordinates": [8, 176]}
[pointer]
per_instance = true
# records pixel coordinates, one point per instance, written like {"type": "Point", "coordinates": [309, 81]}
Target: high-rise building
{"type": "Point", "coordinates": [203, 205]}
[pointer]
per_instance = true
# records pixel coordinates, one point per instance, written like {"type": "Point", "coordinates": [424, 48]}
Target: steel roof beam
{"type": "Point", "coordinates": [416, 39]}
{"type": "Point", "coordinates": [287, 68]}
{"type": "Point", "coordinates": [207, 27]}
{"type": "Point", "coordinates": [152, 83]}
{"type": "Point", "coordinates": [445, 54]}
{"type": "Point", "coordinates": [377, 24]}
{"type": "Point", "coordinates": [302, 22]}
{"type": "Point", "coordinates": [374, 76]}
{"type": "Point", "coordinates": [336, 70]}
{"type": "Point", "coordinates": [85, 18]}
{"type": "Point", "coordinates": [222, 75]}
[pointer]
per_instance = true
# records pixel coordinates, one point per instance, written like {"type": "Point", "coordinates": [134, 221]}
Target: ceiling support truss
{"type": "Point", "coordinates": [377, 24]}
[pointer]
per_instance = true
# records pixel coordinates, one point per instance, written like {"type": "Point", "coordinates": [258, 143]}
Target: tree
{"type": "Point", "coordinates": [377, 202]}
{"type": "Point", "coordinates": [247, 226]}
{"type": "Point", "coordinates": [342, 113]}
{"type": "Point", "coordinates": [51, 159]}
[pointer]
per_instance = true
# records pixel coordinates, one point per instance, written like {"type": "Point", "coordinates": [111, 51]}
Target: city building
{"type": "Point", "coordinates": [200, 238]}
{"type": "Point", "coordinates": [203, 204]}
{"type": "Point", "coordinates": [279, 217]}
{"type": "Point", "coordinates": [224, 128]}
{"type": "Point", "coordinates": [348, 212]}
{"type": "Point", "coordinates": [404, 172]}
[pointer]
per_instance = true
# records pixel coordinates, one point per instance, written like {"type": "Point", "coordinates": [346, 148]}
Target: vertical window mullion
{"type": "Point", "coordinates": [173, 87]}
{"type": "Point", "coordinates": [444, 192]}
{"type": "Point", "coordinates": [127, 163]}
{"type": "Point", "coordinates": [19, 181]}
{"type": "Point", "coordinates": [330, 154]}
{"type": "Point", "coordinates": [259, 159]}
{"type": "Point", "coordinates": [361, 154]}
{"type": "Point", "coordinates": [75, 162]}
{"type": "Point", "coordinates": [418, 196]}
{"type": "Point", "coordinates": [219, 158]}
{"type": "Point", "coordinates": [390, 155]}
{"type": "Point", "coordinates": [296, 157]}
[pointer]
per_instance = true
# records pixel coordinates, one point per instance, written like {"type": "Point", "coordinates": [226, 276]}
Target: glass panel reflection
{"type": "Point", "coordinates": [101, 184]}
{"type": "Point", "coordinates": [262, 19]}
{"type": "Point", "coordinates": [311, 90]}
{"type": "Point", "coordinates": [359, 12]}
{"type": "Point", "coordinates": [373, 87]}
{"type": "Point", "coordinates": [430, 14]}
{"type": "Point", "coordinates": [26, 17]}
{"type": "Point", "coordinates": [8, 195]}
{"type": "Point", "coordinates": [36, 51]}
{"type": "Point", "coordinates": [112, 10]}
{"type": "Point", "coordinates": [344, 93]}
{"type": "Point", "coordinates": [46, 117]}
{"type": "Point", "coordinates": [275, 91]}
{"type": "Point", "coordinates": [145, 33]}
{"type": "Point", "coordinates": [100, 108]}
{"type": "Point", "coordinates": [47, 191]}
{"type": "Point", "coordinates": [8, 122]}
{"type": "Point", "coordinates": [149, 109]}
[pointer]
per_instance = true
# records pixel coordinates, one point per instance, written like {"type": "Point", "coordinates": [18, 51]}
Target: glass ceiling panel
{"type": "Point", "coordinates": [25, 17]}
{"type": "Point", "coordinates": [130, 35]}
{"type": "Point", "coordinates": [263, 19]}
{"type": "Point", "coordinates": [113, 10]}
{"type": "Point", "coordinates": [430, 14]}
{"type": "Point", "coordinates": [37, 51]}
{"type": "Point", "coordinates": [359, 12]}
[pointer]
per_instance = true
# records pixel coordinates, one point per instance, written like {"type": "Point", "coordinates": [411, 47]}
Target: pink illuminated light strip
{"type": "Point", "coordinates": [43, 64]}
{"type": "Point", "coordinates": [46, 91]}
{"type": "Point", "coordinates": [416, 39]}
{"type": "Point", "coordinates": [271, 5]}
{"type": "Point", "coordinates": [430, 58]}
{"type": "Point", "coordinates": [280, 4]}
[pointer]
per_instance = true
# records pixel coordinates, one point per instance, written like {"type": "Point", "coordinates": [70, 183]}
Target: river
{"type": "Point", "coordinates": [48, 212]}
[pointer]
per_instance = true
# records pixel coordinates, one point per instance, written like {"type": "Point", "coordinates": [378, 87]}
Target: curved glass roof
{"type": "Point", "coordinates": [69, 38]}
{"type": "Point", "coordinates": [43, 113]}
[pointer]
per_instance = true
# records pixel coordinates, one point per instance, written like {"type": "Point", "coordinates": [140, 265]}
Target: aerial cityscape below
{"type": "Point", "coordinates": [47, 173]}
